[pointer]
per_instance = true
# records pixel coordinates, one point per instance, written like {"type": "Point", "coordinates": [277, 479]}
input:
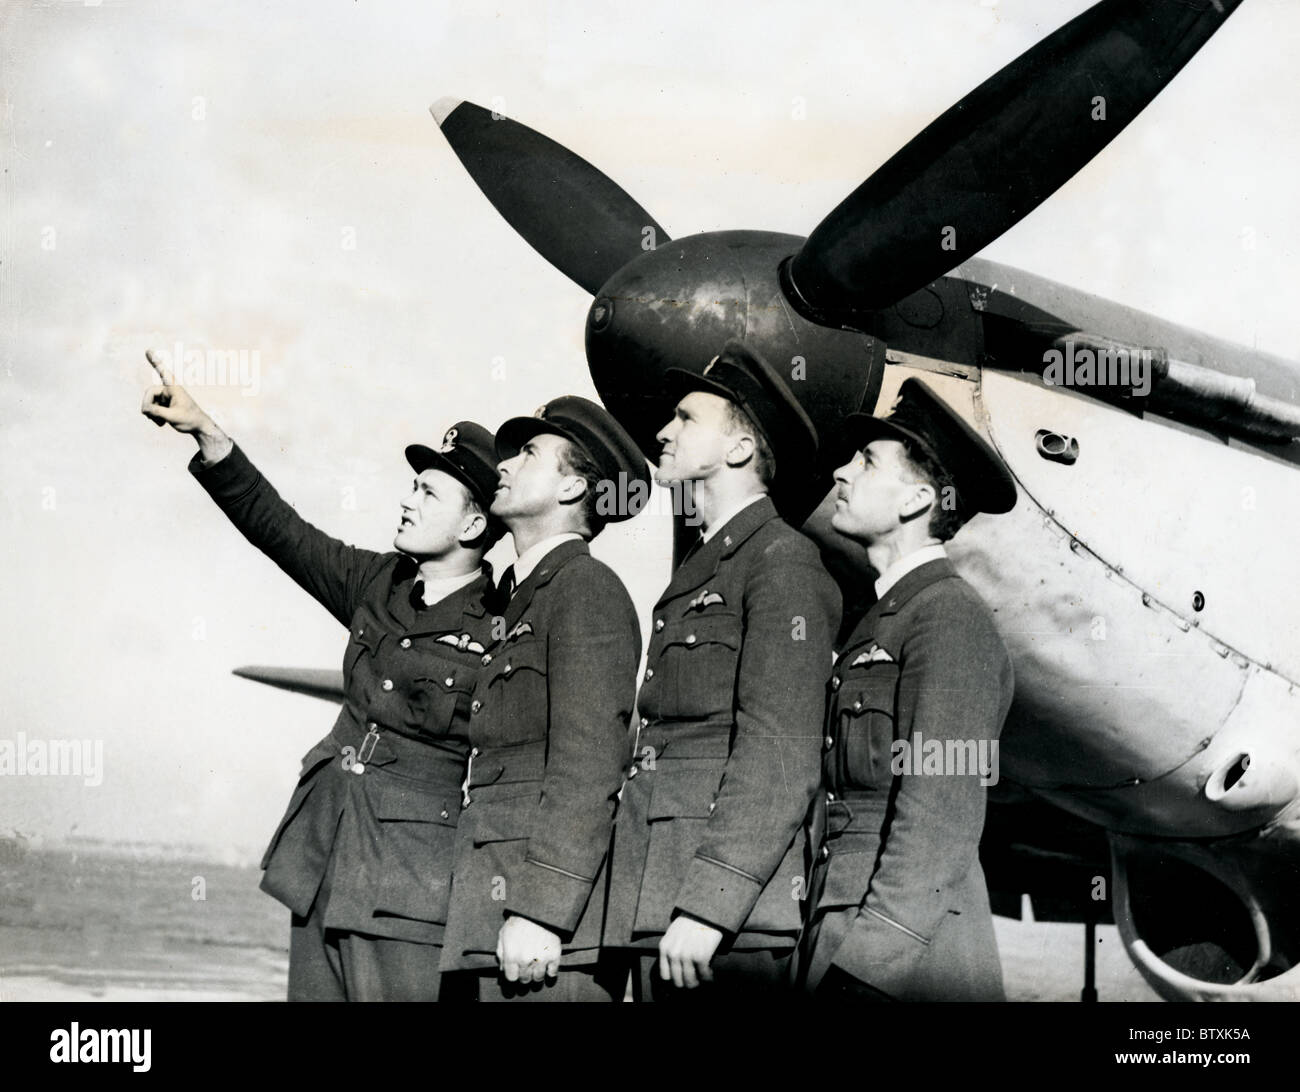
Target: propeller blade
{"type": "Point", "coordinates": [575, 217]}
{"type": "Point", "coordinates": [994, 157]}
{"type": "Point", "coordinates": [318, 682]}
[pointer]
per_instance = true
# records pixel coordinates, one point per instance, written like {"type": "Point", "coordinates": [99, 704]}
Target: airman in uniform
{"type": "Point", "coordinates": [549, 720]}
{"type": "Point", "coordinates": [710, 858]}
{"type": "Point", "coordinates": [363, 857]}
{"type": "Point", "coordinates": [900, 910]}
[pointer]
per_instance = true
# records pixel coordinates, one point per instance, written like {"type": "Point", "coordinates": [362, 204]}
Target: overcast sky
{"type": "Point", "coordinates": [195, 173]}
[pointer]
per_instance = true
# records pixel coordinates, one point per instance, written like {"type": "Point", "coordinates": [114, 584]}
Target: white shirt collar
{"type": "Point", "coordinates": [437, 590]}
{"type": "Point", "coordinates": [726, 517]}
{"type": "Point", "coordinates": [526, 562]}
{"type": "Point", "coordinates": [905, 565]}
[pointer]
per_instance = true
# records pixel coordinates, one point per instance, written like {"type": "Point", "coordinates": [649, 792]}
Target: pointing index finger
{"type": "Point", "coordinates": [164, 373]}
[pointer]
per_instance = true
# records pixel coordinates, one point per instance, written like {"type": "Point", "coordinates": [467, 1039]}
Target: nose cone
{"type": "Point", "coordinates": [675, 307]}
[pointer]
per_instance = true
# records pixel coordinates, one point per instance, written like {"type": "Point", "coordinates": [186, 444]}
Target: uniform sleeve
{"type": "Point", "coordinates": [956, 684]}
{"type": "Point", "coordinates": [593, 648]}
{"type": "Point", "coordinates": [791, 613]}
{"type": "Point", "coordinates": [332, 572]}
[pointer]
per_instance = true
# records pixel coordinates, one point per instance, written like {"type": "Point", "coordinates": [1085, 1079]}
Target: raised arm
{"type": "Point", "coordinates": [329, 570]}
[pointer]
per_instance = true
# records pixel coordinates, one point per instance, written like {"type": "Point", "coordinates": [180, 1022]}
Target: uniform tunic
{"type": "Point", "coordinates": [386, 836]}
{"type": "Point", "coordinates": [728, 757]}
{"type": "Point", "coordinates": [899, 898]}
{"type": "Point", "coordinates": [549, 735]}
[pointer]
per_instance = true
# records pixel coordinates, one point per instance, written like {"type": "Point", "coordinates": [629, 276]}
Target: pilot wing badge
{"type": "Point", "coordinates": [874, 655]}
{"type": "Point", "coordinates": [462, 642]}
{"type": "Point", "coordinates": [706, 598]}
{"type": "Point", "coordinates": [520, 630]}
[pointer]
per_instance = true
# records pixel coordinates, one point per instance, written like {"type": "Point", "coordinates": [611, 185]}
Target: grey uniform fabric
{"type": "Point", "coordinates": [728, 755]}
{"type": "Point", "coordinates": [549, 732]}
{"type": "Point", "coordinates": [899, 897]}
{"type": "Point", "coordinates": [385, 836]}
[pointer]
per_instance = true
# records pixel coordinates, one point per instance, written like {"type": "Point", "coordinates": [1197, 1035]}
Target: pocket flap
{"type": "Point", "coordinates": [704, 629]}
{"type": "Point", "coordinates": [419, 804]}
{"type": "Point", "coordinates": [869, 689]}
{"type": "Point", "coordinates": [687, 794]}
{"type": "Point", "coordinates": [522, 656]}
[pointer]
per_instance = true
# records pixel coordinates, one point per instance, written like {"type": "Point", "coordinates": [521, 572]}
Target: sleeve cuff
{"type": "Point", "coordinates": [718, 894]}
{"type": "Point", "coordinates": [228, 479]}
{"type": "Point", "coordinates": [880, 952]}
{"type": "Point", "coordinates": [549, 897]}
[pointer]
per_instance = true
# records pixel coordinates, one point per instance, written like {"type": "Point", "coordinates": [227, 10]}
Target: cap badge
{"type": "Point", "coordinates": [449, 440]}
{"type": "Point", "coordinates": [540, 411]}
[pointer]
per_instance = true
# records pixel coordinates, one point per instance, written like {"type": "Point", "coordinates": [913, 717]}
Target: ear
{"type": "Point", "coordinates": [472, 528]}
{"type": "Point", "coordinates": [919, 500]}
{"type": "Point", "coordinates": [741, 450]}
{"type": "Point", "coordinates": [571, 489]}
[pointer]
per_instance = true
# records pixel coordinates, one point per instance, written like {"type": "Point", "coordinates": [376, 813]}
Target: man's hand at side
{"type": "Point", "coordinates": [171, 404]}
{"type": "Point", "coordinates": [527, 952]}
{"type": "Point", "coordinates": [686, 951]}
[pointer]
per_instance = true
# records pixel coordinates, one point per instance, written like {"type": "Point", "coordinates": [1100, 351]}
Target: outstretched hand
{"type": "Point", "coordinates": [170, 404]}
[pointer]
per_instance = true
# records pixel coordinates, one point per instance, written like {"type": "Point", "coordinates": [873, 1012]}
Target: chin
{"type": "Point", "coordinates": [841, 523]}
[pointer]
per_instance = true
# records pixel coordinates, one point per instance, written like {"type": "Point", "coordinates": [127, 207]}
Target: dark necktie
{"type": "Point", "coordinates": [417, 595]}
{"type": "Point", "coordinates": [505, 589]}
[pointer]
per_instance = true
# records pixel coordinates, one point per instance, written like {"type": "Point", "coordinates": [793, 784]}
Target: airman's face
{"type": "Point", "coordinates": [435, 516]}
{"type": "Point", "coordinates": [531, 481]}
{"type": "Point", "coordinates": [874, 490]}
{"type": "Point", "coordinates": [696, 440]}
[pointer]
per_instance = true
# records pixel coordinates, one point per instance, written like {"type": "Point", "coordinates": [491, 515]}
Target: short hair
{"type": "Point", "coordinates": [764, 461]}
{"type": "Point", "coordinates": [946, 519]}
{"type": "Point", "coordinates": [573, 459]}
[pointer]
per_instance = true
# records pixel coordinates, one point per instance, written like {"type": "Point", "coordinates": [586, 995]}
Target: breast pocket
{"type": "Point", "coordinates": [417, 841]}
{"type": "Point", "coordinates": [439, 695]}
{"type": "Point", "coordinates": [517, 691]}
{"type": "Point", "coordinates": [867, 728]}
{"type": "Point", "coordinates": [364, 639]}
{"type": "Point", "coordinates": [700, 656]}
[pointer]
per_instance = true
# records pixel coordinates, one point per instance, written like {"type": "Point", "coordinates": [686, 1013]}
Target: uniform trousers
{"type": "Point", "coordinates": [338, 965]}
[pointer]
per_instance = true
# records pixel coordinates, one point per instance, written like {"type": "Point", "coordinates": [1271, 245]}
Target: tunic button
{"type": "Point", "coordinates": [632, 772]}
{"type": "Point", "coordinates": [711, 807]}
{"type": "Point", "coordinates": [649, 673]}
{"type": "Point", "coordinates": [487, 658]}
{"type": "Point", "coordinates": [835, 682]}
{"type": "Point", "coordinates": [506, 670]}
{"type": "Point", "coordinates": [406, 642]}
{"type": "Point", "coordinates": [830, 798]}
{"type": "Point", "coordinates": [371, 726]}
{"type": "Point", "coordinates": [475, 705]}
{"type": "Point", "coordinates": [443, 813]}
{"type": "Point", "coordinates": [474, 753]}
{"type": "Point", "coordinates": [857, 705]}
{"type": "Point", "coordinates": [691, 639]}
{"type": "Point", "coordinates": [826, 852]}
{"type": "Point", "coordinates": [449, 680]}
{"type": "Point", "coordinates": [387, 684]}
{"type": "Point", "coordinates": [659, 624]}
{"type": "Point", "coordinates": [828, 742]}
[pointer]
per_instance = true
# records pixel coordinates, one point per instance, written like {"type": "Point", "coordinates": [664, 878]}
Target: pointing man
{"type": "Point", "coordinates": [363, 856]}
{"type": "Point", "coordinates": [900, 908]}
{"type": "Point", "coordinates": [549, 720]}
{"type": "Point", "coordinates": [709, 858]}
